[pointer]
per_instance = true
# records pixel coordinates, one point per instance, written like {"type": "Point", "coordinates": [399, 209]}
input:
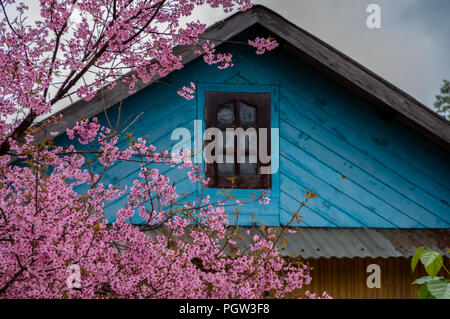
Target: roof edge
{"type": "Point", "coordinates": [329, 59]}
{"type": "Point", "coordinates": [379, 89]}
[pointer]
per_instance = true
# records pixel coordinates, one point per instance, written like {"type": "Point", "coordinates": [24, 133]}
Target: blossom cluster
{"type": "Point", "coordinates": [48, 224]}
{"type": "Point", "coordinates": [187, 92]}
{"type": "Point", "coordinates": [74, 50]}
{"type": "Point", "coordinates": [262, 44]}
{"type": "Point", "coordinates": [211, 57]}
{"type": "Point", "coordinates": [53, 198]}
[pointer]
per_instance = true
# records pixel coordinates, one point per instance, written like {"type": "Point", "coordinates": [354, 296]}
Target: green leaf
{"type": "Point", "coordinates": [416, 257]}
{"type": "Point", "coordinates": [424, 279]}
{"type": "Point", "coordinates": [424, 293]}
{"type": "Point", "coordinates": [432, 260]}
{"type": "Point", "coordinates": [439, 289]}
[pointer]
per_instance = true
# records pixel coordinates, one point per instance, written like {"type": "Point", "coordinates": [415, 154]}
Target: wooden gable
{"type": "Point", "coordinates": [374, 156]}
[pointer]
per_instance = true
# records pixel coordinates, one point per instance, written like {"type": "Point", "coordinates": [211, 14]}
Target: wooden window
{"type": "Point", "coordinates": [238, 110]}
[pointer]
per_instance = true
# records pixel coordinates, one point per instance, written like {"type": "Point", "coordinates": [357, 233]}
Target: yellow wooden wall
{"type": "Point", "coordinates": [346, 278]}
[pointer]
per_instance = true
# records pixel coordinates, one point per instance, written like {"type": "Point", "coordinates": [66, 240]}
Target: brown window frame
{"type": "Point", "coordinates": [213, 100]}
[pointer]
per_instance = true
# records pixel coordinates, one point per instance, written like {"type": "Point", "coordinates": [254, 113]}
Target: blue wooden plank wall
{"type": "Point", "coordinates": [367, 172]}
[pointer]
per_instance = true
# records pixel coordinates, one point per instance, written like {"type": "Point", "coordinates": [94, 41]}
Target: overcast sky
{"type": "Point", "coordinates": [411, 50]}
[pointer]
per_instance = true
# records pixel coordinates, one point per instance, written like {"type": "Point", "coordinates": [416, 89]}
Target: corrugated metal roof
{"type": "Point", "coordinates": [362, 242]}
{"type": "Point", "coordinates": [353, 242]}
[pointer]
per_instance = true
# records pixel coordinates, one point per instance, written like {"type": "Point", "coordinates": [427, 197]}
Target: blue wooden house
{"type": "Point", "coordinates": [378, 160]}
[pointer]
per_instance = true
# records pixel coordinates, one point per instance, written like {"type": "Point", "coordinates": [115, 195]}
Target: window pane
{"type": "Point", "coordinates": [225, 114]}
{"type": "Point", "coordinates": [228, 143]}
{"type": "Point", "coordinates": [250, 167]}
{"type": "Point", "coordinates": [227, 168]}
{"type": "Point", "coordinates": [224, 169]}
{"type": "Point", "coordinates": [247, 114]}
{"type": "Point", "coordinates": [253, 143]}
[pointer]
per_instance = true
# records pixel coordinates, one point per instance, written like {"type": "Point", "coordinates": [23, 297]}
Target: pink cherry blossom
{"type": "Point", "coordinates": [53, 198]}
{"type": "Point", "coordinates": [263, 44]}
{"type": "Point", "coordinates": [187, 92]}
